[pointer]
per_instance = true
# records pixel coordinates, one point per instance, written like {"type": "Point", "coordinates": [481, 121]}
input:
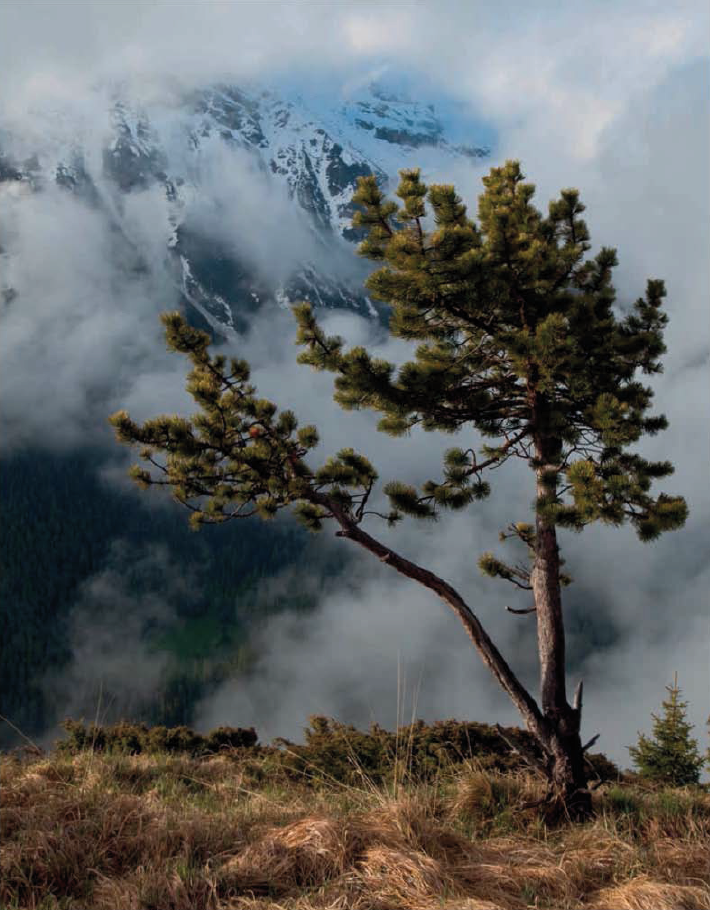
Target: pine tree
{"type": "Point", "coordinates": [671, 756]}
{"type": "Point", "coordinates": [515, 337]}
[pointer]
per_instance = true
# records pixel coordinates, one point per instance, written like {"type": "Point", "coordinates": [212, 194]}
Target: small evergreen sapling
{"type": "Point", "coordinates": [671, 756]}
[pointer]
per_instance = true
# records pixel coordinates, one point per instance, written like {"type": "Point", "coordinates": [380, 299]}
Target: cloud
{"type": "Point", "coordinates": [243, 208]}
{"type": "Point", "coordinates": [83, 328]}
{"type": "Point", "coordinates": [114, 673]}
{"type": "Point", "coordinates": [544, 69]}
{"type": "Point", "coordinates": [345, 659]}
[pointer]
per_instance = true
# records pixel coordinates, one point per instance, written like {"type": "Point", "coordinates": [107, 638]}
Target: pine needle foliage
{"type": "Point", "coordinates": [239, 456]}
{"type": "Point", "coordinates": [500, 309]}
{"type": "Point", "coordinates": [671, 756]}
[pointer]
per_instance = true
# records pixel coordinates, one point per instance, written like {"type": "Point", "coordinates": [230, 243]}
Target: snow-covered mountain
{"type": "Point", "coordinates": [249, 190]}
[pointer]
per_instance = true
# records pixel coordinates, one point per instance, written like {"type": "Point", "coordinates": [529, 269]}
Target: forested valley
{"type": "Point", "coordinates": [61, 525]}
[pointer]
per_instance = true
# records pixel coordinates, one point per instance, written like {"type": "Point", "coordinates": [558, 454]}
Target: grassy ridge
{"type": "Point", "coordinates": [247, 828]}
{"type": "Point", "coordinates": [336, 751]}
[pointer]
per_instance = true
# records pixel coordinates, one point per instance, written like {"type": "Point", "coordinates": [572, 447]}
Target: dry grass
{"type": "Point", "coordinates": [174, 833]}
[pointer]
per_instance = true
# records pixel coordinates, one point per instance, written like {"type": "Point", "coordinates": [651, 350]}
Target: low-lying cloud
{"type": "Point", "coordinates": [242, 208]}
{"type": "Point", "coordinates": [114, 672]}
{"type": "Point", "coordinates": [83, 325]}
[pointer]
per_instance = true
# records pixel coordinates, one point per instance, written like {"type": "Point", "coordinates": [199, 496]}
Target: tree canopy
{"type": "Point", "coordinates": [500, 309]}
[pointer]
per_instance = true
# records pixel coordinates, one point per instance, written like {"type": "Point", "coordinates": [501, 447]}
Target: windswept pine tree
{"type": "Point", "coordinates": [671, 756]}
{"type": "Point", "coordinates": [516, 338]}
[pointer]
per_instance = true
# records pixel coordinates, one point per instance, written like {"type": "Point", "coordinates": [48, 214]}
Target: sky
{"type": "Point", "coordinates": [607, 97]}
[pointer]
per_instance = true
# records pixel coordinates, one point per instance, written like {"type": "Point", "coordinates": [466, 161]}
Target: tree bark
{"type": "Point", "coordinates": [567, 773]}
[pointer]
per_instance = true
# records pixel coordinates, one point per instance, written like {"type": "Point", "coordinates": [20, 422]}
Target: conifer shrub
{"type": "Point", "coordinates": [338, 751]}
{"type": "Point", "coordinates": [135, 738]}
{"type": "Point", "coordinates": [671, 756]}
{"type": "Point", "coordinates": [333, 751]}
{"type": "Point", "coordinates": [230, 738]}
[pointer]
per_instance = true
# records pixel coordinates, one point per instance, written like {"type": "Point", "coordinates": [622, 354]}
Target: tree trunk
{"type": "Point", "coordinates": [567, 774]}
{"type": "Point", "coordinates": [556, 726]}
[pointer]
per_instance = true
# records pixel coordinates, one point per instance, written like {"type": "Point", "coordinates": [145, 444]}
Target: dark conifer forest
{"type": "Point", "coordinates": [58, 545]}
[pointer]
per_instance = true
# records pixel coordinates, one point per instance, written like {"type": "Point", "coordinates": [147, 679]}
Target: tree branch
{"type": "Point", "coordinates": [491, 656]}
{"type": "Point", "coordinates": [577, 701]}
{"type": "Point", "coordinates": [518, 585]}
{"type": "Point", "coordinates": [591, 742]}
{"type": "Point", "coordinates": [526, 754]}
{"type": "Point", "coordinates": [475, 468]}
{"type": "Point", "coordinates": [521, 612]}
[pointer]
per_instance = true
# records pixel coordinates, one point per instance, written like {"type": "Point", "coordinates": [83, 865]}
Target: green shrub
{"type": "Point", "coordinates": [134, 738]}
{"type": "Point", "coordinates": [623, 802]}
{"type": "Point", "coordinates": [339, 751]}
{"type": "Point", "coordinates": [230, 738]}
{"type": "Point", "coordinates": [671, 804]}
{"type": "Point", "coordinates": [602, 767]}
{"type": "Point", "coordinates": [334, 751]}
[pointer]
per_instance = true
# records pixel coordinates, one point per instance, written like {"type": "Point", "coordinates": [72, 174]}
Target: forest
{"type": "Point", "coordinates": [47, 554]}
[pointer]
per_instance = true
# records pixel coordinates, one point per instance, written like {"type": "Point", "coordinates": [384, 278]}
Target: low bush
{"type": "Point", "coordinates": [334, 751]}
{"type": "Point", "coordinates": [135, 738]}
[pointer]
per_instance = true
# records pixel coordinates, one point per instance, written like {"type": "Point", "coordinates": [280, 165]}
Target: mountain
{"type": "Point", "coordinates": [235, 196]}
{"type": "Point", "coordinates": [199, 154]}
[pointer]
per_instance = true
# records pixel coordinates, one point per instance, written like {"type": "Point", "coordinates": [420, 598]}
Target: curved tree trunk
{"type": "Point", "coordinates": [558, 735]}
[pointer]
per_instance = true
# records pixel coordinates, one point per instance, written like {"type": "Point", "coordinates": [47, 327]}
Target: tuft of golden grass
{"type": "Point", "coordinates": [229, 832]}
{"type": "Point", "coordinates": [644, 894]}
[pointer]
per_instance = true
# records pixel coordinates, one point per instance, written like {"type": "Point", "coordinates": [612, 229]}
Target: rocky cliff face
{"type": "Point", "coordinates": [199, 156]}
